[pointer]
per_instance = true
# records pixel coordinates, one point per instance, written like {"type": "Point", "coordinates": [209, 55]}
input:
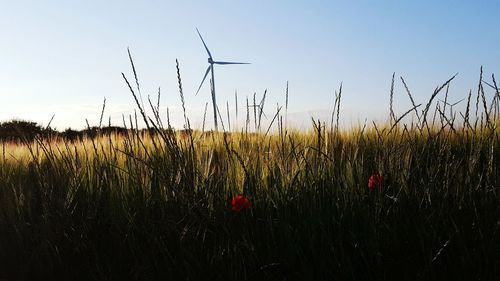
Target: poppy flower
{"type": "Point", "coordinates": [375, 181]}
{"type": "Point", "coordinates": [240, 202]}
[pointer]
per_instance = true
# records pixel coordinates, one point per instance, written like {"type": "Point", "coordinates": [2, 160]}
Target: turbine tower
{"type": "Point", "coordinates": [211, 69]}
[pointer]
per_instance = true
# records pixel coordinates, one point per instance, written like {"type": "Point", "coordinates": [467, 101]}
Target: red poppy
{"type": "Point", "coordinates": [375, 181]}
{"type": "Point", "coordinates": [240, 202]}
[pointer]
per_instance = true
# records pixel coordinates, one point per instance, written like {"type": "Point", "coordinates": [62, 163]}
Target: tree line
{"type": "Point", "coordinates": [22, 130]}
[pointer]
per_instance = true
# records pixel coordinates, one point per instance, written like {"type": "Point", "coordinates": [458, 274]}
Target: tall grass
{"type": "Point", "coordinates": [155, 204]}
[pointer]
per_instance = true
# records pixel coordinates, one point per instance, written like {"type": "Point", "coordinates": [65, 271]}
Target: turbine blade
{"type": "Point", "coordinates": [458, 102]}
{"type": "Point", "coordinates": [206, 48]}
{"type": "Point", "coordinates": [204, 77]}
{"type": "Point", "coordinates": [229, 62]}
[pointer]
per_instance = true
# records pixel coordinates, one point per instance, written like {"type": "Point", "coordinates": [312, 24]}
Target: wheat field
{"type": "Point", "coordinates": [157, 204]}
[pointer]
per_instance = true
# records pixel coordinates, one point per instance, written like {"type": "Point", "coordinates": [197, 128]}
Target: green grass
{"type": "Point", "coordinates": [153, 207]}
{"type": "Point", "coordinates": [124, 211]}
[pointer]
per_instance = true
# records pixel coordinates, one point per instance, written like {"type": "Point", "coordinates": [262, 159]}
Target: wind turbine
{"type": "Point", "coordinates": [211, 69]}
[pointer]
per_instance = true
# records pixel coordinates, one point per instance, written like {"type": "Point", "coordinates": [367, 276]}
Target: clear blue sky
{"type": "Point", "coordinates": [64, 57]}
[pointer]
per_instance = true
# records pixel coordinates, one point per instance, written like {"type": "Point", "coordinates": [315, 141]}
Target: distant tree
{"type": "Point", "coordinates": [113, 130]}
{"type": "Point", "coordinates": [72, 135]}
{"type": "Point", "coordinates": [19, 130]}
{"type": "Point", "coordinates": [91, 132]}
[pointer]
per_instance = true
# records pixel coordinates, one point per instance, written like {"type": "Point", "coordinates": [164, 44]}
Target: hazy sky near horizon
{"type": "Point", "coordinates": [64, 57]}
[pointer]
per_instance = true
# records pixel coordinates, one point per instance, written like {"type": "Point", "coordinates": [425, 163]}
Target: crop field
{"type": "Point", "coordinates": [410, 199]}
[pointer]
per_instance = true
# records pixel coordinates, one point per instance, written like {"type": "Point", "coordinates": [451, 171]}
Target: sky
{"type": "Point", "coordinates": [63, 58]}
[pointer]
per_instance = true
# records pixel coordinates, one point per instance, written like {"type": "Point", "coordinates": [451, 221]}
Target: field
{"type": "Point", "coordinates": [157, 204]}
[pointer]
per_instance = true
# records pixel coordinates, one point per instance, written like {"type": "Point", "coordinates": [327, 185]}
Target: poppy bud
{"type": "Point", "coordinates": [375, 181]}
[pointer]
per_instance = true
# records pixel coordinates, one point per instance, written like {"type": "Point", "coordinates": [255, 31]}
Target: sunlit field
{"type": "Point", "coordinates": [415, 198]}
